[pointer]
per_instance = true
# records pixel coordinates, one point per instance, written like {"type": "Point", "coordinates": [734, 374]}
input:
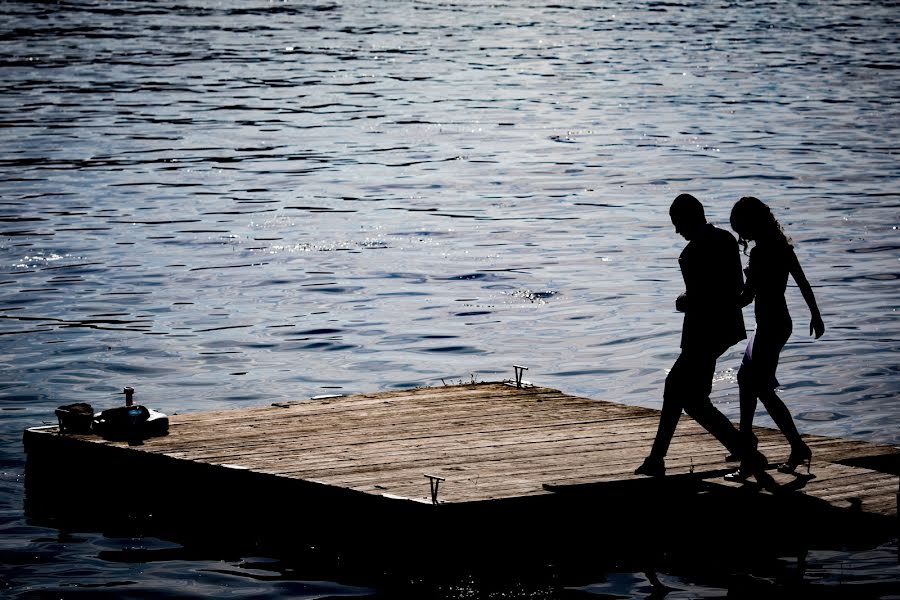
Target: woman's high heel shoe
{"type": "Point", "coordinates": [797, 457]}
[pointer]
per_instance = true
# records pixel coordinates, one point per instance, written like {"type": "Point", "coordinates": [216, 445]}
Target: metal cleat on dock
{"type": "Point", "coordinates": [435, 482]}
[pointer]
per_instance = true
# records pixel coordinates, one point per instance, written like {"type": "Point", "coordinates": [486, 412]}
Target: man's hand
{"type": "Point", "coordinates": [681, 302]}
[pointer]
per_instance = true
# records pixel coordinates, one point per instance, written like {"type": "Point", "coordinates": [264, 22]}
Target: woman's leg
{"type": "Point", "coordinates": [748, 408]}
{"type": "Point", "coordinates": [748, 411]}
{"type": "Point", "coordinates": [747, 389]}
{"type": "Point", "coordinates": [800, 452]}
{"type": "Point", "coordinates": [766, 352]}
{"type": "Point", "coordinates": [782, 417]}
{"type": "Point", "coordinates": [747, 396]}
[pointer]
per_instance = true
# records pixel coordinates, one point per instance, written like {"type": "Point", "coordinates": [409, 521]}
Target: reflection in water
{"type": "Point", "coordinates": [240, 203]}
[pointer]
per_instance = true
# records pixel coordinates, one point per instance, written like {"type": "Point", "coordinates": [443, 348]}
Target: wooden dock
{"type": "Point", "coordinates": [500, 456]}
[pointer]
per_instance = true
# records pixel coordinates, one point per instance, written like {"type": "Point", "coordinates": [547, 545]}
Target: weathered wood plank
{"type": "Point", "coordinates": [425, 438]}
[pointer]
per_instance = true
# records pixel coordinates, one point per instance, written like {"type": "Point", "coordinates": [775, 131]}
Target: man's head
{"type": "Point", "coordinates": [687, 215]}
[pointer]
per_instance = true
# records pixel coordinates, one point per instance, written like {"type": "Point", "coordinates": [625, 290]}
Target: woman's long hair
{"type": "Point", "coordinates": [752, 215]}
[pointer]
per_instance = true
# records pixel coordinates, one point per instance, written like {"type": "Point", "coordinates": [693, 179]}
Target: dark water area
{"type": "Point", "coordinates": [228, 204]}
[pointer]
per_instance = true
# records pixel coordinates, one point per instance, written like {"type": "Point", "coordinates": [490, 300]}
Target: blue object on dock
{"type": "Point", "coordinates": [125, 422]}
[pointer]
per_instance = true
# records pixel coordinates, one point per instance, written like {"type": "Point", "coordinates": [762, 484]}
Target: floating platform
{"type": "Point", "coordinates": [472, 463]}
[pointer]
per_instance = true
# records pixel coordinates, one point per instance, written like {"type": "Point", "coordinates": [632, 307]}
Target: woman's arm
{"type": "Point", "coordinates": [747, 292]}
{"type": "Point", "coordinates": [816, 325]}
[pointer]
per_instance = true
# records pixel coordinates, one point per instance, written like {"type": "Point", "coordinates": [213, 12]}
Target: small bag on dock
{"type": "Point", "coordinates": [75, 418]}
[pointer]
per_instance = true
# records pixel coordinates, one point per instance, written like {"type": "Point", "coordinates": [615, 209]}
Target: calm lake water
{"type": "Point", "coordinates": [231, 203]}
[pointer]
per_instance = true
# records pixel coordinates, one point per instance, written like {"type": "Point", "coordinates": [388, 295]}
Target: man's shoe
{"type": "Point", "coordinates": [753, 464]}
{"type": "Point", "coordinates": [652, 467]}
{"type": "Point", "coordinates": [751, 440]}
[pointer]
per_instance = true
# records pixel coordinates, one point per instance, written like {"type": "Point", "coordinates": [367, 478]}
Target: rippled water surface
{"type": "Point", "coordinates": [231, 203]}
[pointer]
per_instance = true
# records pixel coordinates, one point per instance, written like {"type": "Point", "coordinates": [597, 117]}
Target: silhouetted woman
{"type": "Point", "coordinates": [771, 260]}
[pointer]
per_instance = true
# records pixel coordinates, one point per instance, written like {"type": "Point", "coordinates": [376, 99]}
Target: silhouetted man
{"type": "Point", "coordinates": [713, 322]}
